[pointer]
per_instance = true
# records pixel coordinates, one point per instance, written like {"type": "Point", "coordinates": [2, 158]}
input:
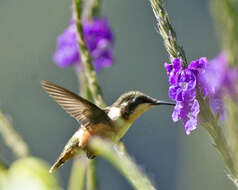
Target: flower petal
{"type": "Point", "coordinates": [98, 37]}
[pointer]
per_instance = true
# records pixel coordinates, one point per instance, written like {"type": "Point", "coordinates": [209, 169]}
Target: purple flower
{"type": "Point", "coordinates": [198, 66]}
{"type": "Point", "coordinates": [186, 111]}
{"type": "Point", "coordinates": [216, 103]}
{"type": "Point", "coordinates": [217, 80]}
{"type": "Point", "coordinates": [183, 90]}
{"type": "Point", "coordinates": [173, 70]}
{"type": "Point", "coordinates": [230, 82]}
{"type": "Point", "coordinates": [213, 78]}
{"type": "Point", "coordinates": [98, 37]}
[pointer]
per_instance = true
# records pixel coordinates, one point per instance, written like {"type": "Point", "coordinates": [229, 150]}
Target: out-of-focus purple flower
{"type": "Point", "coordinates": [98, 37]}
{"type": "Point", "coordinates": [217, 80]}
{"type": "Point", "coordinates": [216, 103]}
{"type": "Point", "coordinates": [213, 78]}
{"type": "Point", "coordinates": [183, 90]}
{"type": "Point", "coordinates": [230, 82]}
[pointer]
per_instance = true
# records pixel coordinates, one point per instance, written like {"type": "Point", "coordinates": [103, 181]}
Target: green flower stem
{"type": "Point", "coordinates": [91, 175]}
{"type": "Point", "coordinates": [232, 128]}
{"type": "Point", "coordinates": [89, 87]}
{"type": "Point", "coordinates": [12, 138]}
{"type": "Point", "coordinates": [84, 87]}
{"type": "Point", "coordinates": [78, 174]}
{"type": "Point", "coordinates": [221, 143]}
{"type": "Point", "coordinates": [92, 8]}
{"type": "Point", "coordinates": [167, 32]}
{"type": "Point", "coordinates": [121, 160]}
{"type": "Point", "coordinates": [211, 124]}
{"type": "Point", "coordinates": [91, 182]}
{"type": "Point", "coordinates": [232, 133]}
{"type": "Point", "coordinates": [227, 25]}
{"type": "Point", "coordinates": [83, 169]}
{"type": "Point", "coordinates": [85, 57]}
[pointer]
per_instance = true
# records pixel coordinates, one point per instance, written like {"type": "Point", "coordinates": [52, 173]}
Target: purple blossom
{"type": "Point", "coordinates": [173, 70]}
{"type": "Point", "coordinates": [187, 111]}
{"type": "Point", "coordinates": [212, 79]}
{"type": "Point", "coordinates": [216, 103]}
{"type": "Point", "coordinates": [230, 82]}
{"type": "Point", "coordinates": [198, 66]}
{"type": "Point", "coordinates": [217, 80]}
{"type": "Point", "coordinates": [183, 90]}
{"type": "Point", "coordinates": [98, 37]}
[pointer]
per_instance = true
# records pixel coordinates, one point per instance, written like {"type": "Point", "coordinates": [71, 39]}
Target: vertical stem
{"type": "Point", "coordinates": [91, 175]}
{"type": "Point", "coordinates": [88, 79]}
{"type": "Point", "coordinates": [77, 177]}
{"type": "Point", "coordinates": [232, 133]}
{"type": "Point", "coordinates": [12, 138]}
{"type": "Point", "coordinates": [232, 128]}
{"type": "Point", "coordinates": [167, 32]}
{"type": "Point", "coordinates": [211, 124]}
{"type": "Point", "coordinates": [227, 23]}
{"type": "Point", "coordinates": [85, 57]}
{"type": "Point", "coordinates": [82, 81]}
{"type": "Point", "coordinates": [92, 8]}
{"type": "Point", "coordinates": [91, 182]}
{"type": "Point", "coordinates": [83, 86]}
{"type": "Point", "coordinates": [83, 169]}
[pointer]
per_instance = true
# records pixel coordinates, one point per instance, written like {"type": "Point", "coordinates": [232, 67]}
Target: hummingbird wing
{"type": "Point", "coordinates": [85, 112]}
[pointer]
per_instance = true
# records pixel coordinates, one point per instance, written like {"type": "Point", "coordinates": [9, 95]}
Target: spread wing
{"type": "Point", "coordinates": [81, 109]}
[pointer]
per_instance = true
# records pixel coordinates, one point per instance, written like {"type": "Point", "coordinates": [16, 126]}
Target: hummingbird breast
{"type": "Point", "coordinates": [96, 130]}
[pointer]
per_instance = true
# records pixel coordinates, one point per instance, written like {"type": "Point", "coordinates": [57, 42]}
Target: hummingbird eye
{"type": "Point", "coordinates": [141, 100]}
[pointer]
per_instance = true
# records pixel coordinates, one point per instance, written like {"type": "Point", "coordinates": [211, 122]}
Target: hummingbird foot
{"type": "Point", "coordinates": [90, 156]}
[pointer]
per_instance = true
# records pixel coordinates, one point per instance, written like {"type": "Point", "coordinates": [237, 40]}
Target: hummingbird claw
{"type": "Point", "coordinates": [90, 156]}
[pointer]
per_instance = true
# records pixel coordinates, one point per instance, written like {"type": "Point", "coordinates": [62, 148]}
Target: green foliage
{"type": "Point", "coordinates": [232, 134]}
{"type": "Point", "coordinates": [30, 173]}
{"type": "Point", "coordinates": [226, 16]}
{"type": "Point", "coordinates": [118, 157]}
{"type": "Point", "coordinates": [12, 139]}
{"type": "Point", "coordinates": [78, 174]}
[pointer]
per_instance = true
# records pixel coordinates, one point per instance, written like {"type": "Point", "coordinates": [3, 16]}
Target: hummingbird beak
{"type": "Point", "coordinates": [158, 102]}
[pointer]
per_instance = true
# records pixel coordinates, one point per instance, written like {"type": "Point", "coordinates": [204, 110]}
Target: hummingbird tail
{"type": "Point", "coordinates": [68, 153]}
{"type": "Point", "coordinates": [57, 164]}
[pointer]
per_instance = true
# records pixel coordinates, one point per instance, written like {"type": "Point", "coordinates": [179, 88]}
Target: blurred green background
{"type": "Point", "coordinates": [28, 31]}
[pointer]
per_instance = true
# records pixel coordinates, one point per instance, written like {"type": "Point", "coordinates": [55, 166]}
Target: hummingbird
{"type": "Point", "coordinates": [109, 123]}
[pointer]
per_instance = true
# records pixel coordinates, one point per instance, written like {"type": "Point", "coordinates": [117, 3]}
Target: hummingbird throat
{"type": "Point", "coordinates": [121, 125]}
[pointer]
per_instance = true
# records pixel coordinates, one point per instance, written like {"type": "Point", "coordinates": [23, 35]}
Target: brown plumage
{"type": "Point", "coordinates": [93, 120]}
{"type": "Point", "coordinates": [81, 109]}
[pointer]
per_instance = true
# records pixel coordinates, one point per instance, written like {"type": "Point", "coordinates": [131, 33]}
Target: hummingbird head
{"type": "Point", "coordinates": [132, 104]}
